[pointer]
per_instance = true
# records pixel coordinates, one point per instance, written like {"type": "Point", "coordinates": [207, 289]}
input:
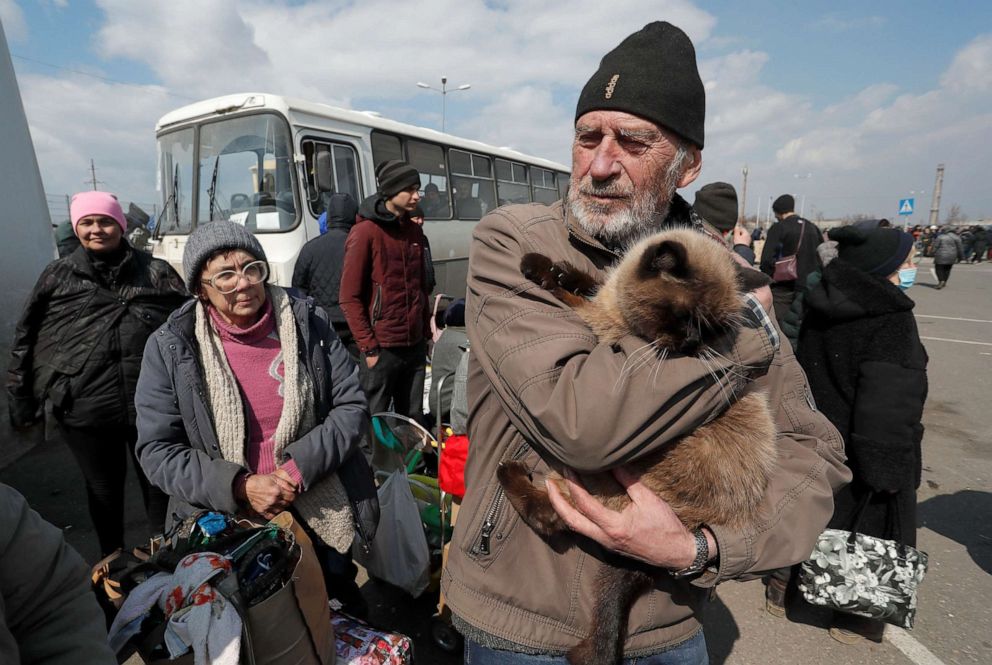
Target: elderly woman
{"type": "Point", "coordinates": [78, 344]}
{"type": "Point", "coordinates": [248, 403]}
{"type": "Point", "coordinates": [867, 369]}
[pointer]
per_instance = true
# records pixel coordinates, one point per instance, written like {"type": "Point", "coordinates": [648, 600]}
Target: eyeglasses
{"type": "Point", "coordinates": [227, 281]}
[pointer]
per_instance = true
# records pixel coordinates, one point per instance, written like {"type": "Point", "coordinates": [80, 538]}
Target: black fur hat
{"type": "Point", "coordinates": [651, 74]}
{"type": "Point", "coordinates": [877, 251]}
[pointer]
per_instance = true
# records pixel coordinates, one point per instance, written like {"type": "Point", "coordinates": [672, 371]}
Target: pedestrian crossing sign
{"type": "Point", "coordinates": [906, 206]}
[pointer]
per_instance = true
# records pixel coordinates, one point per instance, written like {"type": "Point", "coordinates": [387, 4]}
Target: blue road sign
{"type": "Point", "coordinates": [906, 206]}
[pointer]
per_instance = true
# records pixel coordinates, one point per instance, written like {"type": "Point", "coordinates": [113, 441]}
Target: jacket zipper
{"type": "Point", "coordinates": [489, 525]}
{"type": "Point", "coordinates": [377, 304]}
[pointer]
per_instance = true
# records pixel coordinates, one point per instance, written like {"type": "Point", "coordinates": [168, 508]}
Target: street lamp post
{"type": "Point", "coordinates": [444, 94]}
{"type": "Point", "coordinates": [802, 176]}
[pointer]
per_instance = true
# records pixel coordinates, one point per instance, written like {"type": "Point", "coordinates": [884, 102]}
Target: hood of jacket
{"type": "Point", "coordinates": [374, 208]}
{"type": "Point", "coordinates": [846, 293]}
{"type": "Point", "coordinates": [341, 211]}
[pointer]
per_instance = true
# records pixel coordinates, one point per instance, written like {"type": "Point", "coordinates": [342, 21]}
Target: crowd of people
{"type": "Point", "coordinates": [238, 395]}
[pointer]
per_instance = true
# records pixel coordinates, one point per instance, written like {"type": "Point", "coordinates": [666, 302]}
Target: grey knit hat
{"type": "Point", "coordinates": [208, 239]}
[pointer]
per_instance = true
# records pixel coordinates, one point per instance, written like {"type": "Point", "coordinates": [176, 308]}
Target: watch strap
{"type": "Point", "coordinates": [702, 556]}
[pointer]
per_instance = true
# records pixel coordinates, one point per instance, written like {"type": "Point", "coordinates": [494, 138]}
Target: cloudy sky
{"type": "Point", "coordinates": [848, 105]}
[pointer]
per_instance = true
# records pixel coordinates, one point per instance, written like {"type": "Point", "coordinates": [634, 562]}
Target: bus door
{"type": "Point", "coordinates": [332, 166]}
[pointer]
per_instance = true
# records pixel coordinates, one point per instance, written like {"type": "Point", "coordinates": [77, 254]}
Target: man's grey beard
{"type": "Point", "coordinates": [646, 213]}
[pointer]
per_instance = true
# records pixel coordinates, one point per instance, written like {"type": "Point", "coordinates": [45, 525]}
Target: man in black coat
{"type": "Point", "coordinates": [318, 268]}
{"type": "Point", "coordinates": [783, 241]}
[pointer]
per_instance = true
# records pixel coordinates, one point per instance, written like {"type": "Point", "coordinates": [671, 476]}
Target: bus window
{"type": "Point", "coordinates": [176, 172]}
{"type": "Point", "coordinates": [428, 159]}
{"type": "Point", "coordinates": [563, 179]}
{"type": "Point", "coordinates": [246, 173]}
{"type": "Point", "coordinates": [344, 173]}
{"type": "Point", "coordinates": [511, 182]}
{"type": "Point", "coordinates": [472, 182]}
{"type": "Point", "coordinates": [385, 147]}
{"type": "Point", "coordinates": [545, 189]}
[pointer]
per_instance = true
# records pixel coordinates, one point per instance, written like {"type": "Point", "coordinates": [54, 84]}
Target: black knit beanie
{"type": "Point", "coordinates": [876, 251]}
{"type": "Point", "coordinates": [394, 176]}
{"type": "Point", "coordinates": [784, 203]}
{"type": "Point", "coordinates": [651, 74]}
{"type": "Point", "coordinates": [717, 204]}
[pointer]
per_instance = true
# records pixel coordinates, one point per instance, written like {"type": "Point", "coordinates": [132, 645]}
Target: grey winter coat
{"type": "Point", "coordinates": [177, 442]}
{"type": "Point", "coordinates": [48, 615]}
{"type": "Point", "coordinates": [948, 249]}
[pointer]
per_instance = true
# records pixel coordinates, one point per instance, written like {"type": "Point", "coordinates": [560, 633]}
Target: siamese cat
{"type": "Point", "coordinates": [682, 292]}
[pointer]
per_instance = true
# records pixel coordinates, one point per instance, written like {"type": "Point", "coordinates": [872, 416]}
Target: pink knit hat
{"type": "Point", "coordinates": [96, 203]}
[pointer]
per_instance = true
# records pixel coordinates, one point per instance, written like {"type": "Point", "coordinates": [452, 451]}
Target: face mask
{"type": "Point", "coordinates": [907, 277]}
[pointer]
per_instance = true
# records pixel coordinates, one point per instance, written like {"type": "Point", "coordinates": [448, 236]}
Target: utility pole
{"type": "Point", "coordinates": [68, 207]}
{"type": "Point", "coordinates": [93, 179]}
{"type": "Point", "coordinates": [743, 196]}
{"type": "Point", "coordinates": [935, 201]}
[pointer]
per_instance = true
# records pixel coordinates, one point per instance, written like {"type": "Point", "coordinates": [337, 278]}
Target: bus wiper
{"type": "Point", "coordinates": [174, 200]}
{"type": "Point", "coordinates": [212, 192]}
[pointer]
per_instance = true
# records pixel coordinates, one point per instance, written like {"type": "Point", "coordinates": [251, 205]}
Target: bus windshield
{"type": "Point", "coordinates": [244, 173]}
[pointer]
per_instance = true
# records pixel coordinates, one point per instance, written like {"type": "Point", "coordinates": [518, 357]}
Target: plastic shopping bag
{"type": "Point", "coordinates": [399, 553]}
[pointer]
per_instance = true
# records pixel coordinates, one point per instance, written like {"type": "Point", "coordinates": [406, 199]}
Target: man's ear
{"type": "Point", "coordinates": [691, 172]}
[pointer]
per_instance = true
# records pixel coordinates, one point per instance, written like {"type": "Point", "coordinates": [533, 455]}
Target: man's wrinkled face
{"type": "Point", "coordinates": [625, 171]}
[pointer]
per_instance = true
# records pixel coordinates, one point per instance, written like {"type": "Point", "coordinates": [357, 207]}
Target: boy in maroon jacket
{"type": "Point", "coordinates": [384, 292]}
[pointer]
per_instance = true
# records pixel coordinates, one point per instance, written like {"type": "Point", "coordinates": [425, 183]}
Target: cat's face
{"type": "Point", "coordinates": [681, 289]}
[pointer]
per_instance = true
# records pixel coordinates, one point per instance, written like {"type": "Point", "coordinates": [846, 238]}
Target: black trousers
{"type": "Point", "coordinates": [397, 380]}
{"type": "Point", "coordinates": [102, 453]}
{"type": "Point", "coordinates": [943, 271]}
{"type": "Point", "coordinates": [782, 296]}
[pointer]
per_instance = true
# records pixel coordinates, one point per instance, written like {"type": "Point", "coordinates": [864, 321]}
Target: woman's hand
{"type": "Point", "coordinates": [269, 494]}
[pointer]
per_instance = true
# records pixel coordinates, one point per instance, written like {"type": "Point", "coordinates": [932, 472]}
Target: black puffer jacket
{"type": "Point", "coordinates": [318, 267]}
{"type": "Point", "coordinates": [81, 336]}
{"type": "Point", "coordinates": [866, 367]}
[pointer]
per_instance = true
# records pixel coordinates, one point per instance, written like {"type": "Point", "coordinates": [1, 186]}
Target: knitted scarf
{"type": "Point", "coordinates": [323, 506]}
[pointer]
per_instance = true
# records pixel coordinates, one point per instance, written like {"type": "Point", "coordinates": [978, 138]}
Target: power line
{"type": "Point", "coordinates": [96, 76]}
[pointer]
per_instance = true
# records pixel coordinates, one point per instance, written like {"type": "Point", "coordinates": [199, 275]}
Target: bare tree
{"type": "Point", "coordinates": [955, 215]}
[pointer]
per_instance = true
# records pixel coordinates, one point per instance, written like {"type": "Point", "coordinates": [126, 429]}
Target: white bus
{"type": "Point", "coordinates": [270, 162]}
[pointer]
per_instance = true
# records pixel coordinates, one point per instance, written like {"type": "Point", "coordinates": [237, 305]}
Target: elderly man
{"type": "Point", "coordinates": [544, 391]}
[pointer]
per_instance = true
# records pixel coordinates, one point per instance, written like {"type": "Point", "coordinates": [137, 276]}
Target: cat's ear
{"type": "Point", "coordinates": [750, 279]}
{"type": "Point", "coordinates": [668, 256]}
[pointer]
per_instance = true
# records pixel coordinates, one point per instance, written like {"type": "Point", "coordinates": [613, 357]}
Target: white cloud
{"type": "Point", "coordinates": [971, 70]}
{"type": "Point", "coordinates": [12, 18]}
{"type": "Point", "coordinates": [526, 62]}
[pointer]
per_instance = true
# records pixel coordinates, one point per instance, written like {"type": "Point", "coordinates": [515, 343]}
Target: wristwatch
{"type": "Point", "coordinates": [702, 556]}
{"type": "Point", "coordinates": [371, 353]}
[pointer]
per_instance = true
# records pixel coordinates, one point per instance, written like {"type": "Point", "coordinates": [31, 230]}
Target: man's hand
{"type": "Point", "coordinates": [647, 530]}
{"type": "Point", "coordinates": [370, 361]}
{"type": "Point", "coordinates": [764, 296]}
{"type": "Point", "coordinates": [741, 236]}
{"type": "Point", "coordinates": [269, 494]}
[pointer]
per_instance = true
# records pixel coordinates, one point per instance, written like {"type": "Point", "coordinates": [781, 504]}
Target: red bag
{"type": "Point", "coordinates": [451, 470]}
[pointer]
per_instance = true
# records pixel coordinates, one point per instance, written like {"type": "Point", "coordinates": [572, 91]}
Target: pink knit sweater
{"type": "Point", "coordinates": [254, 356]}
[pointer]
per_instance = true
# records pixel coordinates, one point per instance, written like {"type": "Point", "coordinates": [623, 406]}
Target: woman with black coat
{"type": "Point", "coordinates": [866, 367]}
{"type": "Point", "coordinates": [79, 344]}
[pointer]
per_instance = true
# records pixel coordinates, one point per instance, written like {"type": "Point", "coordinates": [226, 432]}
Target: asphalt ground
{"type": "Point", "coordinates": [954, 623]}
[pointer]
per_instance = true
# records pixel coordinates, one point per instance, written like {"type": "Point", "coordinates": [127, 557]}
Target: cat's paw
{"type": "Point", "coordinates": [573, 280]}
{"type": "Point", "coordinates": [538, 269]}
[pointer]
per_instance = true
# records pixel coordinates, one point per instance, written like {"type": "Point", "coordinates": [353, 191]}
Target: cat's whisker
{"type": "Point", "coordinates": [634, 361]}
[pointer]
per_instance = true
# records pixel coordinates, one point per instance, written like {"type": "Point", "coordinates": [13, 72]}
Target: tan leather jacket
{"type": "Point", "coordinates": [542, 389]}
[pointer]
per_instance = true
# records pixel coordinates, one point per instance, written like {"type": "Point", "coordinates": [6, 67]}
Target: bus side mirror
{"type": "Point", "coordinates": [323, 173]}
